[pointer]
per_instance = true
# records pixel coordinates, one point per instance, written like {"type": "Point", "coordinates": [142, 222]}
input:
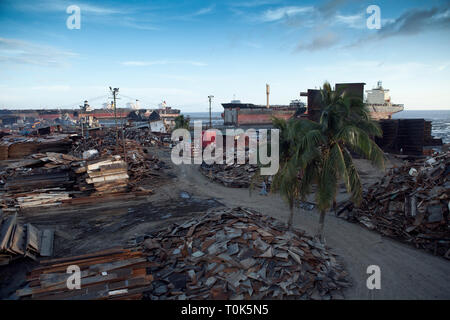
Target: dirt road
{"type": "Point", "coordinates": [406, 273]}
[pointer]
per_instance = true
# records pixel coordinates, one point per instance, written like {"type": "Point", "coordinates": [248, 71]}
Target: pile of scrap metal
{"type": "Point", "coordinates": [106, 140]}
{"type": "Point", "coordinates": [109, 274]}
{"type": "Point", "coordinates": [18, 240]}
{"type": "Point", "coordinates": [141, 164]}
{"type": "Point", "coordinates": [41, 180]}
{"type": "Point", "coordinates": [240, 254]}
{"type": "Point", "coordinates": [147, 138]}
{"type": "Point", "coordinates": [406, 136]}
{"type": "Point", "coordinates": [231, 175]}
{"type": "Point", "coordinates": [103, 176]}
{"type": "Point", "coordinates": [53, 179]}
{"type": "Point", "coordinates": [16, 147]}
{"type": "Point", "coordinates": [410, 203]}
{"type": "Point", "coordinates": [225, 254]}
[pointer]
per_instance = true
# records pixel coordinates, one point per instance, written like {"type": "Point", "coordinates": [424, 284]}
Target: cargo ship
{"type": "Point", "coordinates": [379, 103]}
{"type": "Point", "coordinates": [237, 113]}
{"type": "Point", "coordinates": [377, 100]}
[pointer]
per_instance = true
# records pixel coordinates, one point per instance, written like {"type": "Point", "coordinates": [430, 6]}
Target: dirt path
{"type": "Point", "coordinates": [406, 273]}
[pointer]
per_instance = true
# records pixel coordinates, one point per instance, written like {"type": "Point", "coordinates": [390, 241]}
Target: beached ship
{"type": "Point", "coordinates": [378, 101]}
{"type": "Point", "coordinates": [167, 112]}
{"type": "Point", "coordinates": [240, 114]}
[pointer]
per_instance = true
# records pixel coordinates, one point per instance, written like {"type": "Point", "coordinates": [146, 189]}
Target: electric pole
{"type": "Point", "coordinates": [114, 92]}
{"type": "Point", "coordinates": [210, 122]}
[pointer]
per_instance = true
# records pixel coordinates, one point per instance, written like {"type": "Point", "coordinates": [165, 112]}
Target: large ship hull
{"type": "Point", "coordinates": [248, 114]}
{"type": "Point", "coordinates": [383, 112]}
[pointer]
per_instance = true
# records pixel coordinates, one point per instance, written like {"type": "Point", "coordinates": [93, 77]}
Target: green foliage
{"type": "Point", "coordinates": [181, 122]}
{"type": "Point", "coordinates": [319, 154]}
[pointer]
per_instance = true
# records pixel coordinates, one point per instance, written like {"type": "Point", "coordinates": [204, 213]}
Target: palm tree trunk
{"type": "Point", "coordinates": [321, 225]}
{"type": "Point", "coordinates": [291, 214]}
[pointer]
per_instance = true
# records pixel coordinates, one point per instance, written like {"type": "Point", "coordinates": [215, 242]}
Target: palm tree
{"type": "Point", "coordinates": [286, 180]}
{"type": "Point", "coordinates": [181, 122]}
{"type": "Point", "coordinates": [320, 153]}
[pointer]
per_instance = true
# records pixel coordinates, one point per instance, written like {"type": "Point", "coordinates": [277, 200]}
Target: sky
{"type": "Point", "coordinates": [183, 51]}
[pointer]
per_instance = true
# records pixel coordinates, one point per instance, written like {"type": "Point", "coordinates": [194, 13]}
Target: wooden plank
{"type": "Point", "coordinates": [52, 279]}
{"type": "Point", "coordinates": [33, 239]}
{"type": "Point", "coordinates": [47, 243]}
{"type": "Point", "coordinates": [18, 241]}
{"type": "Point", "coordinates": [11, 238]}
{"type": "Point", "coordinates": [87, 255]}
{"type": "Point", "coordinates": [94, 260]}
{"type": "Point", "coordinates": [82, 263]}
{"type": "Point", "coordinates": [87, 282]}
{"type": "Point", "coordinates": [6, 230]}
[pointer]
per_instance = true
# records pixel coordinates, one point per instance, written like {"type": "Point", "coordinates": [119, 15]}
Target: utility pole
{"type": "Point", "coordinates": [210, 122]}
{"type": "Point", "coordinates": [115, 91]}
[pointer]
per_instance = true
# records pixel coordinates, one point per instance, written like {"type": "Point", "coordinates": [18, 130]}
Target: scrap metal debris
{"type": "Point", "coordinates": [16, 147]}
{"type": "Point", "coordinates": [50, 179]}
{"type": "Point", "coordinates": [225, 254]}
{"type": "Point", "coordinates": [233, 175]}
{"type": "Point", "coordinates": [109, 274]}
{"type": "Point", "coordinates": [240, 254]}
{"type": "Point", "coordinates": [18, 240]}
{"type": "Point", "coordinates": [410, 203]}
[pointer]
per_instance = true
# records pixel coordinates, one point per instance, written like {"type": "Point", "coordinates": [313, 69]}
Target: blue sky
{"type": "Point", "coordinates": [183, 51]}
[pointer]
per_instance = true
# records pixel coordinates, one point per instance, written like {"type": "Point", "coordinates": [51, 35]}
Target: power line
{"type": "Point", "coordinates": [76, 104]}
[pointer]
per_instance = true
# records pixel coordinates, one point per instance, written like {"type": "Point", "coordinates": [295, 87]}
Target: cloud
{"type": "Point", "coordinates": [356, 21]}
{"type": "Point", "coordinates": [443, 67]}
{"type": "Point", "coordinates": [98, 10]}
{"type": "Point", "coordinates": [320, 42]}
{"type": "Point", "coordinates": [161, 62]}
{"type": "Point", "coordinates": [254, 4]}
{"type": "Point", "coordinates": [411, 22]}
{"type": "Point", "coordinates": [281, 13]}
{"type": "Point", "coordinates": [416, 21]}
{"type": "Point", "coordinates": [204, 11]}
{"type": "Point", "coordinates": [22, 52]}
{"type": "Point", "coordinates": [61, 6]}
{"type": "Point", "coordinates": [137, 24]}
{"type": "Point", "coordinates": [331, 7]}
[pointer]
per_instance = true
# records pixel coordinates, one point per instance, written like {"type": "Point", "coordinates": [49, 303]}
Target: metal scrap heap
{"type": "Point", "coordinates": [108, 274]}
{"type": "Point", "coordinates": [38, 181]}
{"type": "Point", "coordinates": [17, 240]}
{"type": "Point", "coordinates": [16, 147]}
{"type": "Point", "coordinates": [240, 254]}
{"type": "Point", "coordinates": [233, 175]}
{"type": "Point", "coordinates": [225, 254]}
{"type": "Point", "coordinates": [410, 203]}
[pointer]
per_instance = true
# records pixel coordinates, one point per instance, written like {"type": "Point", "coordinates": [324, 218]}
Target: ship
{"type": "Point", "coordinates": [378, 101]}
{"type": "Point", "coordinates": [167, 112]}
{"type": "Point", "coordinates": [237, 113]}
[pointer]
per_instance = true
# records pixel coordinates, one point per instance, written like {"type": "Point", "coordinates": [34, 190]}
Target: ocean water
{"type": "Point", "coordinates": [216, 117]}
{"type": "Point", "coordinates": [440, 120]}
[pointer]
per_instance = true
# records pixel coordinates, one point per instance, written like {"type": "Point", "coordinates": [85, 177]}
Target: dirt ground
{"type": "Point", "coordinates": [406, 273]}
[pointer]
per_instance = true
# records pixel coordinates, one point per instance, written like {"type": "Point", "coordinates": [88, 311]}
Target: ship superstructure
{"type": "Point", "coordinates": [378, 100]}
